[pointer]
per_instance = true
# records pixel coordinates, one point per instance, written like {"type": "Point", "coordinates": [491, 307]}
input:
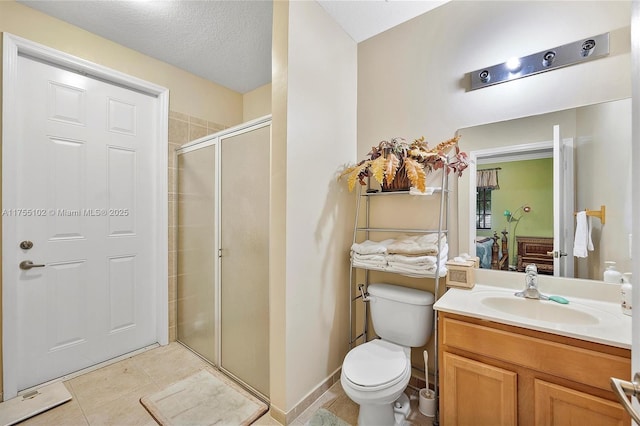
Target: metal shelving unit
{"type": "Point", "coordinates": [362, 232]}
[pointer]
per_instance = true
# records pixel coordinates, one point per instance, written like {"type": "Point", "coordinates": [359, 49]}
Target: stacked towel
{"type": "Point", "coordinates": [370, 254]}
{"type": "Point", "coordinates": [417, 264]}
{"type": "Point", "coordinates": [403, 268]}
{"type": "Point", "coordinates": [412, 255]}
{"type": "Point", "coordinates": [418, 245]}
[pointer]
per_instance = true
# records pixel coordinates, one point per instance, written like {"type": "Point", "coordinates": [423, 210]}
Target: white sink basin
{"type": "Point", "coordinates": [540, 310]}
{"type": "Point", "coordinates": [596, 319]}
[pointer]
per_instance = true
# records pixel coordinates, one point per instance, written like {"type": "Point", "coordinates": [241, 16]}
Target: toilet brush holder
{"type": "Point", "coordinates": [427, 404]}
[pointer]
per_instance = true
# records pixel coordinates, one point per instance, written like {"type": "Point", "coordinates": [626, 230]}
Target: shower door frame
{"type": "Point", "coordinates": [216, 141]}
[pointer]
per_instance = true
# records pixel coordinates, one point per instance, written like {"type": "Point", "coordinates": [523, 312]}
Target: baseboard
{"type": "Point", "coordinates": [312, 397]}
{"type": "Point", "coordinates": [417, 381]}
{"type": "Point", "coordinates": [278, 415]}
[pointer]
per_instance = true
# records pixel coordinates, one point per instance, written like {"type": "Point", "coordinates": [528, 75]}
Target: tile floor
{"type": "Point", "coordinates": [111, 395]}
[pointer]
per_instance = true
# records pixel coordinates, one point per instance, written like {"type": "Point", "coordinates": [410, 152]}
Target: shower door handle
{"type": "Point", "coordinates": [622, 389]}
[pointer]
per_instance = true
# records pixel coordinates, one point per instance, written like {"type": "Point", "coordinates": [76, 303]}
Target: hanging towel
{"type": "Point", "coordinates": [582, 242]}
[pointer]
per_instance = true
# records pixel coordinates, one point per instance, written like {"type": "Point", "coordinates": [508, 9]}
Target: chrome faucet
{"type": "Point", "coordinates": [531, 284]}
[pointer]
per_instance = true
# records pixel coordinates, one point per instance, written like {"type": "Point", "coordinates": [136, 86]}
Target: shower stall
{"type": "Point", "coordinates": [223, 251]}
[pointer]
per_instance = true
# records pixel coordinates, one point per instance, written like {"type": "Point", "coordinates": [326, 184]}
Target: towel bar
{"type": "Point", "coordinates": [596, 213]}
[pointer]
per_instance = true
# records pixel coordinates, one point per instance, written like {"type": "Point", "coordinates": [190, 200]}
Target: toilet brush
{"type": "Point", "coordinates": [426, 369]}
{"type": "Point", "coordinates": [427, 402]}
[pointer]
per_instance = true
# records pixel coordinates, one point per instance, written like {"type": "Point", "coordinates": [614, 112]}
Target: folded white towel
{"type": "Point", "coordinates": [369, 264]}
{"type": "Point", "coordinates": [403, 267]}
{"type": "Point", "coordinates": [582, 241]}
{"type": "Point", "coordinates": [419, 259]}
{"type": "Point", "coordinates": [417, 245]}
{"type": "Point", "coordinates": [412, 260]}
{"type": "Point", "coordinates": [416, 272]}
{"type": "Point", "coordinates": [369, 257]}
{"type": "Point", "coordinates": [371, 247]}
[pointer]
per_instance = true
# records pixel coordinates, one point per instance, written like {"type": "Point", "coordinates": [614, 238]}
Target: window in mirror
{"type": "Point", "coordinates": [486, 181]}
{"type": "Point", "coordinates": [483, 208]}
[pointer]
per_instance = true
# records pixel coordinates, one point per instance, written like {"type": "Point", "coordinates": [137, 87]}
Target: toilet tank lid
{"type": "Point", "coordinates": [401, 294]}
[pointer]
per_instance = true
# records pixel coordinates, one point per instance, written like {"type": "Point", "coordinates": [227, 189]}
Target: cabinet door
{"type": "Point", "coordinates": [561, 406]}
{"type": "Point", "coordinates": [474, 393]}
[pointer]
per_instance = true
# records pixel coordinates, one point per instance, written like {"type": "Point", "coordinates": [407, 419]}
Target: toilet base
{"type": "Point", "coordinates": [394, 414]}
{"type": "Point", "coordinates": [401, 409]}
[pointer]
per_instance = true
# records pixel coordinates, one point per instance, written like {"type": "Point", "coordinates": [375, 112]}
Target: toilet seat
{"type": "Point", "coordinates": [375, 365]}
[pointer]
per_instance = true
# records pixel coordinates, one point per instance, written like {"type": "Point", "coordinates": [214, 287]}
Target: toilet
{"type": "Point", "coordinates": [375, 374]}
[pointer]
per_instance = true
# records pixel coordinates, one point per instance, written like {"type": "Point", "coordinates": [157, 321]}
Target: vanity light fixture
{"type": "Point", "coordinates": [568, 54]}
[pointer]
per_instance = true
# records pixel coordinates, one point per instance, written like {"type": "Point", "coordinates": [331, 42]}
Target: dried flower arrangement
{"type": "Point", "coordinates": [394, 159]}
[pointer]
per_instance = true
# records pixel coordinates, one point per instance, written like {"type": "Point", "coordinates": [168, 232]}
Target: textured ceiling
{"type": "Point", "coordinates": [227, 42]}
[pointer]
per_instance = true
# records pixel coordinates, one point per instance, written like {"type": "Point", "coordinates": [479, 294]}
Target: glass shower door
{"type": "Point", "coordinates": [196, 236]}
{"type": "Point", "coordinates": [244, 243]}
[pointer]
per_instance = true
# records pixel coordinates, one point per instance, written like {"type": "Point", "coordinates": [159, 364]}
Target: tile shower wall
{"type": "Point", "coordinates": [182, 129]}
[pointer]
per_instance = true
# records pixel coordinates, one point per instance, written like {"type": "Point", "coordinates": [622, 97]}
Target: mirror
{"type": "Point", "coordinates": [598, 141]}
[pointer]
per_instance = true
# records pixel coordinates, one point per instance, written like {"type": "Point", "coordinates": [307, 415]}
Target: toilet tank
{"type": "Point", "coordinates": [401, 315]}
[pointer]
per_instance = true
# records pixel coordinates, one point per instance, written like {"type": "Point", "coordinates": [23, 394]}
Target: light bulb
{"type": "Point", "coordinates": [513, 64]}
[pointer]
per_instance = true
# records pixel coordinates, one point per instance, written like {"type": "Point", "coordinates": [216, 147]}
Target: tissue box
{"type": "Point", "coordinates": [461, 273]}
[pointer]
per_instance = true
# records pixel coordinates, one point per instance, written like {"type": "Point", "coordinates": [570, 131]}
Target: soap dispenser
{"type": "Point", "coordinates": [611, 274]}
{"type": "Point", "coordinates": [625, 292]}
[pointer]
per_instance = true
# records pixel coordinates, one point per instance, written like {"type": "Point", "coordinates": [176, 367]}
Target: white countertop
{"type": "Point", "coordinates": [594, 298]}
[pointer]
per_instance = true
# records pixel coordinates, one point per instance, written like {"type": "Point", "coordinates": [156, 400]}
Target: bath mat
{"type": "Point", "coordinates": [324, 417]}
{"type": "Point", "coordinates": [204, 398]}
{"type": "Point", "coordinates": [22, 407]}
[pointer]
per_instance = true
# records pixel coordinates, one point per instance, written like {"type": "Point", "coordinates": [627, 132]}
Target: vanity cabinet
{"type": "Point", "coordinates": [496, 374]}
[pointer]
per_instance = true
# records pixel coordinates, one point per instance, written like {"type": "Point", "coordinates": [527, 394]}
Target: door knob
{"type": "Point", "coordinates": [27, 264]}
{"type": "Point", "coordinates": [26, 245]}
{"type": "Point", "coordinates": [556, 253]}
{"type": "Point", "coordinates": [622, 388]}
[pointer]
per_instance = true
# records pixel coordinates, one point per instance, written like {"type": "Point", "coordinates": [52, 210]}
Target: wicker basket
{"type": "Point", "coordinates": [400, 182]}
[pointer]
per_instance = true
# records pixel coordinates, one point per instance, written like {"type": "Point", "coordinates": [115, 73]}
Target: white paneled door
{"type": "Point", "coordinates": [83, 216]}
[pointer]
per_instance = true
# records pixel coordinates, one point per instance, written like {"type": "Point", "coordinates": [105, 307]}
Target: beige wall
{"type": "Point", "coordinates": [315, 98]}
{"type": "Point", "coordinates": [321, 133]}
{"type": "Point", "coordinates": [603, 134]}
{"type": "Point", "coordinates": [412, 79]}
{"type": "Point", "coordinates": [278, 214]}
{"type": "Point", "coordinates": [256, 103]}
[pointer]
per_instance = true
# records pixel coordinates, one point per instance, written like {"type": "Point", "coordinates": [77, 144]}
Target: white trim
{"type": "Point", "coordinates": [13, 47]}
{"type": "Point", "coordinates": [515, 152]}
{"type": "Point", "coordinates": [517, 157]}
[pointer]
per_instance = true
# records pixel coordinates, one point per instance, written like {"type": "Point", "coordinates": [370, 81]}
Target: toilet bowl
{"type": "Point", "coordinates": [374, 375]}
